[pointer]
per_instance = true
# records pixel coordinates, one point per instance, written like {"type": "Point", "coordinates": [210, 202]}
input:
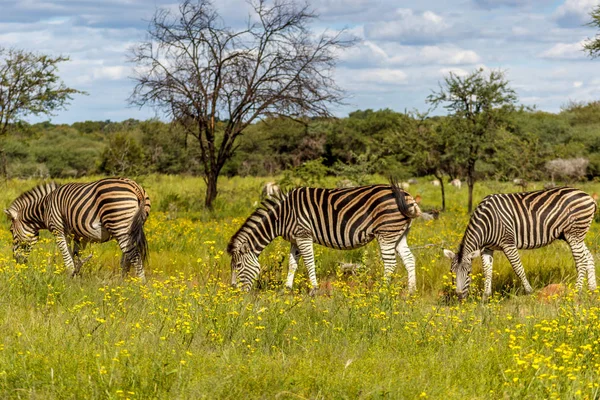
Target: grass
{"type": "Point", "coordinates": [186, 334]}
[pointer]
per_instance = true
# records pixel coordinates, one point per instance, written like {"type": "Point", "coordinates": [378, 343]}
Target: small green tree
{"type": "Point", "coordinates": [481, 103]}
{"type": "Point", "coordinates": [436, 150]}
{"type": "Point", "coordinates": [123, 156]}
{"type": "Point", "coordinates": [29, 85]}
{"type": "Point", "coordinates": [592, 46]}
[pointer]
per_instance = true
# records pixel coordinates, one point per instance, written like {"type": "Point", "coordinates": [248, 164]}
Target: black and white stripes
{"type": "Point", "coordinates": [508, 222]}
{"type": "Point", "coordinates": [83, 212]}
{"type": "Point", "coordinates": [336, 218]}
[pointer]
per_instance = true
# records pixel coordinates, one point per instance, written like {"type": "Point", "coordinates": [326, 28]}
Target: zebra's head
{"type": "Point", "coordinates": [244, 265]}
{"type": "Point", "coordinates": [26, 219]}
{"type": "Point", "coordinates": [24, 234]}
{"type": "Point", "coordinates": [461, 266]}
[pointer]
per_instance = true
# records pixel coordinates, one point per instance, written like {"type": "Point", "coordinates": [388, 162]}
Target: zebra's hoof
{"type": "Point", "coordinates": [313, 292]}
{"type": "Point", "coordinates": [285, 291]}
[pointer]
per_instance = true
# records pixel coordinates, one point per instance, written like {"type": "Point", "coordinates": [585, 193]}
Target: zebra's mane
{"type": "Point", "coordinates": [36, 193]}
{"type": "Point", "coordinates": [262, 211]}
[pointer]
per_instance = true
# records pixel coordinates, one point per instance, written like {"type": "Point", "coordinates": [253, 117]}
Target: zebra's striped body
{"type": "Point", "coordinates": [336, 218]}
{"type": "Point", "coordinates": [83, 212]}
{"type": "Point", "coordinates": [529, 220]}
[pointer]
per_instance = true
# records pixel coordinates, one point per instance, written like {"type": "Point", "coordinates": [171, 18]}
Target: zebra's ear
{"type": "Point", "coordinates": [11, 213]}
{"type": "Point", "coordinates": [476, 253]}
{"type": "Point", "coordinates": [449, 254]}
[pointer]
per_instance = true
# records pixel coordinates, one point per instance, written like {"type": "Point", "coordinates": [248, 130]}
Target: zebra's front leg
{"type": "Point", "coordinates": [515, 261]}
{"type": "Point", "coordinates": [487, 258]}
{"type": "Point", "coordinates": [63, 245]}
{"type": "Point", "coordinates": [293, 265]}
{"type": "Point", "coordinates": [305, 247]}
{"type": "Point", "coordinates": [79, 245]}
{"type": "Point", "coordinates": [408, 259]}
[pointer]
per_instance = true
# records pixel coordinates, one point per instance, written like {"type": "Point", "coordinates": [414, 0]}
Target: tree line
{"type": "Point", "coordinates": [364, 142]}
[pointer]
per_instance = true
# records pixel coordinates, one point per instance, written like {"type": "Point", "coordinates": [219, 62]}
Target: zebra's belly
{"type": "Point", "coordinates": [345, 243]}
{"type": "Point", "coordinates": [94, 232]}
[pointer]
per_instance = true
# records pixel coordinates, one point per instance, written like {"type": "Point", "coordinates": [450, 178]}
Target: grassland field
{"type": "Point", "coordinates": [186, 334]}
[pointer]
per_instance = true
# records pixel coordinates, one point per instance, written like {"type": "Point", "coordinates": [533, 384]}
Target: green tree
{"type": "Point", "coordinates": [29, 85]}
{"type": "Point", "coordinates": [215, 81]}
{"type": "Point", "coordinates": [592, 46]}
{"type": "Point", "coordinates": [481, 103]}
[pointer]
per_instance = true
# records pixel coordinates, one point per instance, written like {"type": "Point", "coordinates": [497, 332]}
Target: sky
{"type": "Point", "coordinates": [406, 48]}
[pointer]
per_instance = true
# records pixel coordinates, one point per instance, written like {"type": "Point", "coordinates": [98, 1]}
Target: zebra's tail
{"type": "Point", "coordinates": [137, 236]}
{"type": "Point", "coordinates": [400, 196]}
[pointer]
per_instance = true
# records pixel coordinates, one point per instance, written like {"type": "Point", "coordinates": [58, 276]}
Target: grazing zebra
{"type": "Point", "coordinates": [337, 218]}
{"type": "Point", "coordinates": [527, 220]}
{"type": "Point", "coordinates": [83, 212]}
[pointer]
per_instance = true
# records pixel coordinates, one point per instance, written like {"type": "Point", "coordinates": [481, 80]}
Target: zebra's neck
{"type": "Point", "coordinates": [32, 205]}
{"type": "Point", "coordinates": [471, 242]}
{"type": "Point", "coordinates": [264, 225]}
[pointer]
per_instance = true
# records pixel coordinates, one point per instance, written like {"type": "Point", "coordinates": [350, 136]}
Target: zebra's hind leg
{"type": "Point", "coordinates": [408, 259]}
{"type": "Point", "coordinates": [581, 254]}
{"type": "Point", "coordinates": [305, 247]}
{"type": "Point", "coordinates": [130, 257]}
{"type": "Point", "coordinates": [293, 266]}
{"type": "Point", "coordinates": [515, 261]}
{"type": "Point", "coordinates": [487, 258]}
{"type": "Point", "coordinates": [591, 271]}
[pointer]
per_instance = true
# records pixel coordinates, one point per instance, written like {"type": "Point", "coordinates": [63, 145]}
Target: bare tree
{"type": "Point", "coordinates": [569, 169]}
{"type": "Point", "coordinates": [215, 80]}
{"type": "Point", "coordinates": [29, 85]}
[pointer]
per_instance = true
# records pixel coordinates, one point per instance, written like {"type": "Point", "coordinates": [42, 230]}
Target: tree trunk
{"type": "Point", "coordinates": [441, 179]}
{"type": "Point", "coordinates": [3, 164]}
{"type": "Point", "coordinates": [211, 189]}
{"type": "Point", "coordinates": [471, 184]}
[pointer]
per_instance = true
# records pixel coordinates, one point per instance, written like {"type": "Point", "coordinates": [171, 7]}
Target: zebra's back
{"type": "Point", "coordinates": [347, 218]}
{"type": "Point", "coordinates": [535, 219]}
{"type": "Point", "coordinates": [97, 210]}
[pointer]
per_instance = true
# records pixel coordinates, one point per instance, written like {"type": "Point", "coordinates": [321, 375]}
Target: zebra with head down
{"type": "Point", "coordinates": [337, 218]}
{"type": "Point", "coordinates": [528, 220]}
{"type": "Point", "coordinates": [83, 212]}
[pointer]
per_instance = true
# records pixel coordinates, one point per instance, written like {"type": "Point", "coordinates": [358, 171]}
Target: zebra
{"type": "Point", "coordinates": [344, 218]}
{"type": "Point", "coordinates": [526, 220]}
{"type": "Point", "coordinates": [82, 213]}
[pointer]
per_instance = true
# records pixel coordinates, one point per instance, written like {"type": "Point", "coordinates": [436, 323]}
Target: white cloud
{"type": "Point", "coordinates": [564, 51]}
{"type": "Point", "coordinates": [342, 7]}
{"type": "Point", "coordinates": [392, 54]}
{"type": "Point", "coordinates": [456, 71]}
{"type": "Point", "coordinates": [575, 12]}
{"type": "Point", "coordinates": [409, 27]}
{"type": "Point", "coordinates": [577, 84]}
{"type": "Point", "coordinates": [381, 76]}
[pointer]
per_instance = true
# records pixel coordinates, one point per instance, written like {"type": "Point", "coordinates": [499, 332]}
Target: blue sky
{"type": "Point", "coordinates": [406, 48]}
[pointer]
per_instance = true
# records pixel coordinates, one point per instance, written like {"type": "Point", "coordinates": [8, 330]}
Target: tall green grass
{"type": "Point", "coordinates": [186, 334]}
